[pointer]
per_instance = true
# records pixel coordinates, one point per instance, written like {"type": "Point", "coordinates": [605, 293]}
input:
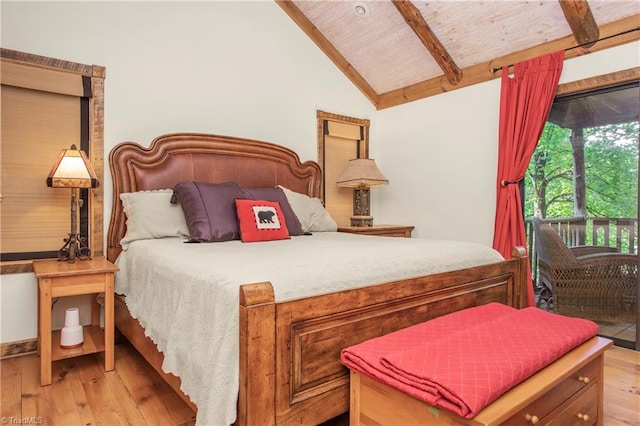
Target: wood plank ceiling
{"type": "Point", "coordinates": [398, 51]}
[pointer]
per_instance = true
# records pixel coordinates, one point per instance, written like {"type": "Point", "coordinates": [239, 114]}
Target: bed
{"type": "Point", "coordinates": [288, 360]}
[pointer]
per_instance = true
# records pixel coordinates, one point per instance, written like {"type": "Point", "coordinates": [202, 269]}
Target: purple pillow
{"type": "Point", "coordinates": [277, 194]}
{"type": "Point", "coordinates": [209, 209]}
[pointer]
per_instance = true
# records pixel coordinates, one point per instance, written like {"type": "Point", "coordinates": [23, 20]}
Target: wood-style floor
{"type": "Point", "coordinates": [83, 394]}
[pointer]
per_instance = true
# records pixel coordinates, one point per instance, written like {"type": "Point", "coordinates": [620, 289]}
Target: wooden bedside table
{"type": "Point", "coordinates": [59, 279]}
{"type": "Point", "coordinates": [381, 230]}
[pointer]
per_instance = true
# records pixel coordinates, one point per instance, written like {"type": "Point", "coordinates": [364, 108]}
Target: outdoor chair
{"type": "Point", "coordinates": [586, 281]}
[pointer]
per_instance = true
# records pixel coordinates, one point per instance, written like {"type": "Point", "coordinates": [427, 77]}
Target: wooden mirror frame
{"type": "Point", "coordinates": [38, 67]}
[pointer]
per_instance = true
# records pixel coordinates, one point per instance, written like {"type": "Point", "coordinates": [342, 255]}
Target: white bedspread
{"type": "Point", "coordinates": [186, 295]}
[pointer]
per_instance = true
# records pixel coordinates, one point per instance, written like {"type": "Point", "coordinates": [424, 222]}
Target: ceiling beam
{"type": "Point", "coordinates": [580, 19]}
{"type": "Point", "coordinates": [612, 34]}
{"type": "Point", "coordinates": [416, 21]}
{"type": "Point", "coordinates": [332, 53]}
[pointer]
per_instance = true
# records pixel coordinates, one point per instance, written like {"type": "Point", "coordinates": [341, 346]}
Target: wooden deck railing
{"type": "Point", "coordinates": [621, 233]}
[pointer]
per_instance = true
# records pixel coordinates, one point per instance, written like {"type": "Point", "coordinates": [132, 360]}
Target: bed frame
{"type": "Point", "coordinates": [290, 370]}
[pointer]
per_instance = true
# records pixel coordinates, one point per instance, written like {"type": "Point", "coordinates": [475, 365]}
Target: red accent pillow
{"type": "Point", "coordinates": [261, 220]}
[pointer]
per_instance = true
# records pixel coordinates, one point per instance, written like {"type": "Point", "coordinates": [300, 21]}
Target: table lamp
{"type": "Point", "coordinates": [73, 170]}
{"type": "Point", "coordinates": [361, 174]}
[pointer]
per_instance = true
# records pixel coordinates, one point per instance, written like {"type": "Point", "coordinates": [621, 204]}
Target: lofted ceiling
{"type": "Point", "coordinates": [398, 51]}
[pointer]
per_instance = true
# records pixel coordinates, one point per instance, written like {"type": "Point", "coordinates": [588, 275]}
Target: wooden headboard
{"type": "Point", "coordinates": [193, 157]}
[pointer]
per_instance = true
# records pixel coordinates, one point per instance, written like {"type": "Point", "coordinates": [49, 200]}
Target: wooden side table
{"type": "Point", "coordinates": [59, 279]}
{"type": "Point", "coordinates": [381, 230]}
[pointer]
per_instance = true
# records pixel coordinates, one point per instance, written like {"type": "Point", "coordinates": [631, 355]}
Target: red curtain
{"type": "Point", "coordinates": [525, 101]}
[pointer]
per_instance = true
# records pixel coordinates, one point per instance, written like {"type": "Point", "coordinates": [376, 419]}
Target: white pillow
{"type": "Point", "coordinates": [310, 212]}
{"type": "Point", "coordinates": [150, 215]}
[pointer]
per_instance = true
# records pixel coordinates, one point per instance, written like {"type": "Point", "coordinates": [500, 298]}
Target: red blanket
{"type": "Point", "coordinates": [465, 360]}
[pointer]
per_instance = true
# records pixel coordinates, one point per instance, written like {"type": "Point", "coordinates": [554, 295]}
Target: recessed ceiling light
{"type": "Point", "coordinates": [361, 9]}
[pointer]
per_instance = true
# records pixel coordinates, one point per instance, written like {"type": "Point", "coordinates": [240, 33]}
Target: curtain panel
{"type": "Point", "coordinates": [526, 98]}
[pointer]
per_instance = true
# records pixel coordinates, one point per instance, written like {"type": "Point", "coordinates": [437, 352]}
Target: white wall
{"type": "Point", "coordinates": [440, 154]}
{"type": "Point", "coordinates": [245, 69]}
{"type": "Point", "coordinates": [232, 68]}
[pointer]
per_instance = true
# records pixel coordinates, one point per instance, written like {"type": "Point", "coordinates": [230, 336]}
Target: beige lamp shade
{"type": "Point", "coordinates": [72, 169]}
{"type": "Point", "coordinates": [361, 172]}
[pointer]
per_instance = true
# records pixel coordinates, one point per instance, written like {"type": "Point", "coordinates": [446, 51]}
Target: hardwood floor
{"type": "Point", "coordinates": [82, 393]}
{"type": "Point", "coordinates": [621, 387]}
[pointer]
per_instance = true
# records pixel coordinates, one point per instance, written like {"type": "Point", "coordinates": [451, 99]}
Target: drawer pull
{"type": "Point", "coordinates": [584, 380]}
{"type": "Point", "coordinates": [583, 417]}
{"type": "Point", "coordinates": [532, 419]}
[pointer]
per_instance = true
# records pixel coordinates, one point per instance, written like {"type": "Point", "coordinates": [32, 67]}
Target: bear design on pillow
{"type": "Point", "coordinates": [266, 216]}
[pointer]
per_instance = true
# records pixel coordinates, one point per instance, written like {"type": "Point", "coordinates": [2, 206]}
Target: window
{"type": "Point", "coordinates": [340, 139]}
{"type": "Point", "coordinates": [583, 178]}
{"type": "Point", "coordinates": [47, 105]}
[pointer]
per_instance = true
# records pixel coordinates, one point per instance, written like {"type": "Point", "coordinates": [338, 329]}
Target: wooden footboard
{"type": "Point", "coordinates": [290, 370]}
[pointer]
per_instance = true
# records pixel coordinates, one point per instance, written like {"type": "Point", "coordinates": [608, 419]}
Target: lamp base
{"type": "Point", "coordinates": [74, 247]}
{"type": "Point", "coordinates": [361, 216]}
{"type": "Point", "coordinates": [361, 221]}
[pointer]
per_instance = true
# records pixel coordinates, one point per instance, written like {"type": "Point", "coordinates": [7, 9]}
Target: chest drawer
{"type": "Point", "coordinates": [541, 407]}
{"type": "Point", "coordinates": [583, 410]}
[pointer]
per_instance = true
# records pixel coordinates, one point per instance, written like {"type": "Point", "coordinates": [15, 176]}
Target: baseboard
{"type": "Point", "coordinates": [22, 347]}
{"type": "Point", "coordinates": [30, 346]}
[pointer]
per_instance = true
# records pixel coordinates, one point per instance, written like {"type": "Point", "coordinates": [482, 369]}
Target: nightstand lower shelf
{"type": "Point", "coordinates": [93, 343]}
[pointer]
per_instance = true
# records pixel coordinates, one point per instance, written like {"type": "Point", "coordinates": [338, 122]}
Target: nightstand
{"type": "Point", "coordinates": [59, 279]}
{"type": "Point", "coordinates": [381, 230]}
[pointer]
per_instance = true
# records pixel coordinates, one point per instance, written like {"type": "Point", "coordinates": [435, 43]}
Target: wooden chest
{"type": "Point", "coordinates": [567, 392]}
